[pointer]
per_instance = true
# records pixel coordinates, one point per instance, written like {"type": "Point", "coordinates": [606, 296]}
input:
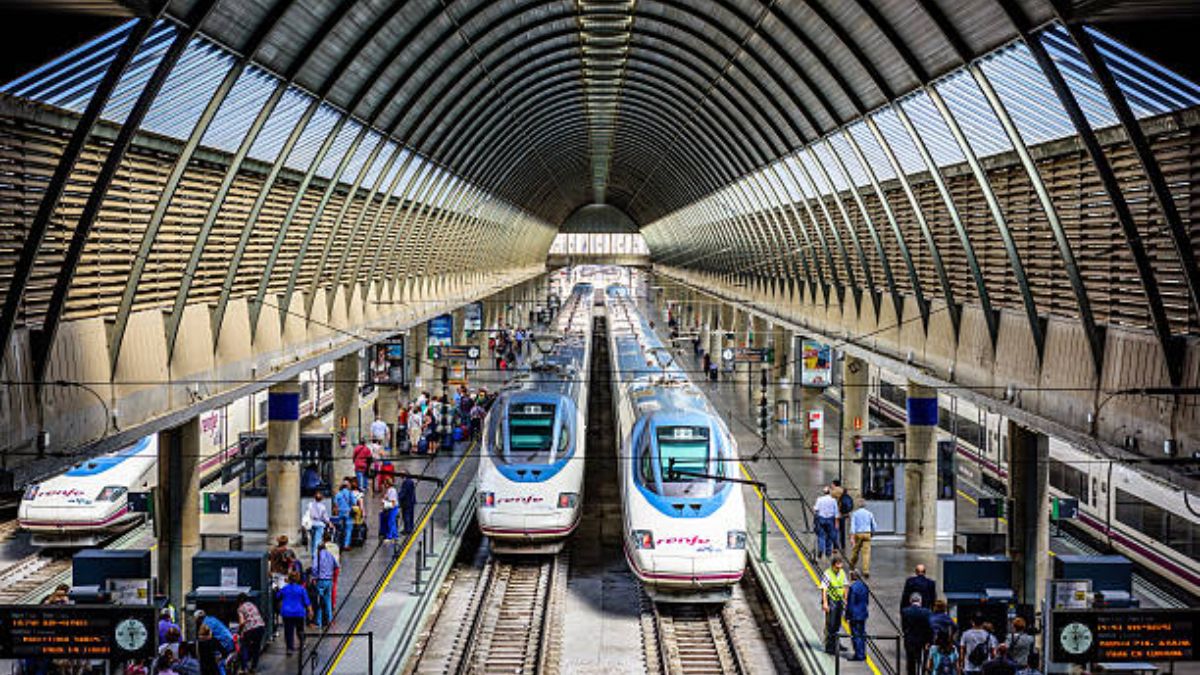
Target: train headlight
{"type": "Point", "coordinates": [568, 500]}
{"type": "Point", "coordinates": [487, 500]}
{"type": "Point", "coordinates": [736, 540]}
{"type": "Point", "coordinates": [643, 539]}
{"type": "Point", "coordinates": [30, 492]}
{"type": "Point", "coordinates": [110, 493]}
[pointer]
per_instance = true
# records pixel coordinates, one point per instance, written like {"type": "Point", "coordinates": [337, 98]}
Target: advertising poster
{"type": "Point", "coordinates": [441, 330]}
{"type": "Point", "coordinates": [389, 358]}
{"type": "Point", "coordinates": [473, 317]}
{"type": "Point", "coordinates": [816, 364]}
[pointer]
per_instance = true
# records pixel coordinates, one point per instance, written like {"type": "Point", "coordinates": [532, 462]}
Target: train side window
{"type": "Point", "coordinates": [1094, 491]}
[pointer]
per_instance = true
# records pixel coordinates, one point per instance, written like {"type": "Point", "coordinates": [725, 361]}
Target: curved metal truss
{"type": "Point", "coordinates": [262, 149]}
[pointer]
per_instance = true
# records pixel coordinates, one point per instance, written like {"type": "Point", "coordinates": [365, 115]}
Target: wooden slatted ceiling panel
{"type": "Point", "coordinates": [49, 260]}
{"type": "Point", "coordinates": [1177, 154]}
{"type": "Point", "coordinates": [28, 155]}
{"type": "Point", "coordinates": [263, 234]}
{"type": "Point", "coordinates": [173, 246]}
{"type": "Point", "coordinates": [378, 246]}
{"type": "Point", "coordinates": [117, 234]}
{"type": "Point", "coordinates": [863, 232]}
{"type": "Point", "coordinates": [223, 240]}
{"type": "Point", "coordinates": [367, 202]}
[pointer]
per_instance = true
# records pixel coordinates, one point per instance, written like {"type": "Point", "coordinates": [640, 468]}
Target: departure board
{"type": "Point", "coordinates": [1126, 635]}
{"type": "Point", "coordinates": [77, 632]}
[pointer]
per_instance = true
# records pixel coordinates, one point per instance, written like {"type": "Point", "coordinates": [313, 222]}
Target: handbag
{"type": "Point", "coordinates": [306, 520]}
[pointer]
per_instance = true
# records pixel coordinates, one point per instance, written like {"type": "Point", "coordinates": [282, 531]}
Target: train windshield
{"type": "Point", "coordinates": [530, 433]}
{"type": "Point", "coordinates": [682, 451]}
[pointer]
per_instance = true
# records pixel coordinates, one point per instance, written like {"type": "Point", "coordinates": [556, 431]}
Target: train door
{"type": "Point", "coordinates": [883, 482]}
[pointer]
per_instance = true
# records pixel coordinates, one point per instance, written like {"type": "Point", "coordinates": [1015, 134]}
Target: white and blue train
{"type": "Point", "coordinates": [90, 501]}
{"type": "Point", "coordinates": [685, 525]}
{"type": "Point", "coordinates": [531, 469]}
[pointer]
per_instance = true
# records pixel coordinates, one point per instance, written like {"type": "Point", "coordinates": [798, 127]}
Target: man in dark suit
{"type": "Point", "coordinates": [914, 622]}
{"type": "Point", "coordinates": [920, 584]}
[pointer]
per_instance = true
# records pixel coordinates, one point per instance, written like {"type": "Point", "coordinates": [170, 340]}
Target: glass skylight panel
{"type": "Point", "coordinates": [313, 136]}
{"type": "Point", "coordinates": [932, 130]}
{"type": "Point", "coordinates": [815, 180]}
{"type": "Point", "coordinates": [74, 74]}
{"type": "Point", "coordinates": [849, 160]}
{"type": "Point", "coordinates": [870, 149]}
{"type": "Point", "coordinates": [245, 100]}
{"type": "Point", "coordinates": [188, 90]}
{"type": "Point", "coordinates": [355, 165]}
{"type": "Point", "coordinates": [133, 81]}
{"type": "Point", "coordinates": [284, 117]}
{"type": "Point", "coordinates": [337, 150]}
{"type": "Point", "coordinates": [898, 140]}
{"type": "Point", "coordinates": [974, 115]}
{"type": "Point", "coordinates": [1027, 95]}
{"type": "Point", "coordinates": [385, 155]}
{"type": "Point", "coordinates": [1155, 88]}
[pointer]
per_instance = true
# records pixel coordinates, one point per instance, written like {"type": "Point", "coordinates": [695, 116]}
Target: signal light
{"type": "Point", "coordinates": [567, 500]}
{"type": "Point", "coordinates": [643, 540]}
{"type": "Point", "coordinates": [487, 499]}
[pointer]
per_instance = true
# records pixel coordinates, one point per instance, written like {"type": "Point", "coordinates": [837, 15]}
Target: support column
{"type": "Point", "coordinates": [421, 366]}
{"type": "Point", "coordinates": [346, 402]}
{"type": "Point", "coordinates": [387, 407]}
{"type": "Point", "coordinates": [1029, 522]}
{"type": "Point", "coordinates": [178, 508]}
{"type": "Point", "coordinates": [283, 476]}
{"type": "Point", "coordinates": [810, 399]}
{"type": "Point", "coordinates": [783, 368]}
{"type": "Point", "coordinates": [855, 390]}
{"type": "Point", "coordinates": [920, 468]}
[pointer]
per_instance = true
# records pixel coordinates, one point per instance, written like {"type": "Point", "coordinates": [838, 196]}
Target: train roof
{"type": "Point", "coordinates": [99, 465]}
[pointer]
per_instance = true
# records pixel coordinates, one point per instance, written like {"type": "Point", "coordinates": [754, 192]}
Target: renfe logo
{"type": "Point", "coordinates": [67, 492]}
{"type": "Point", "coordinates": [693, 540]}
{"type": "Point", "coordinates": [527, 499]}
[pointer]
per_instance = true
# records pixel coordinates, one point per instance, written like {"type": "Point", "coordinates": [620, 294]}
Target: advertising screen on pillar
{"type": "Point", "coordinates": [473, 316]}
{"type": "Point", "coordinates": [816, 364]}
{"type": "Point", "coordinates": [391, 355]}
{"type": "Point", "coordinates": [441, 330]}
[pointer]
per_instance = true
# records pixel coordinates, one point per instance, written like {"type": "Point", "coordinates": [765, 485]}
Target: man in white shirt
{"type": "Point", "coordinates": [380, 431]}
{"type": "Point", "coordinates": [826, 511]}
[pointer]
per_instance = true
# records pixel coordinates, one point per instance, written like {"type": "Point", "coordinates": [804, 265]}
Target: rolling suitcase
{"type": "Point", "coordinates": [358, 535]}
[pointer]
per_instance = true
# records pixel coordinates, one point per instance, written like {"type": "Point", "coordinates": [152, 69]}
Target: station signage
{"type": "Point", "coordinates": [748, 355]}
{"type": "Point", "coordinates": [473, 317]}
{"type": "Point", "coordinates": [1125, 636]}
{"type": "Point", "coordinates": [77, 632]}
{"type": "Point", "coordinates": [468, 352]}
{"type": "Point", "coordinates": [441, 330]}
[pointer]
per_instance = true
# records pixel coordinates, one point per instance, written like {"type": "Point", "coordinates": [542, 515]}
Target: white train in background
{"type": "Point", "coordinates": [88, 503]}
{"type": "Point", "coordinates": [1121, 508]}
{"type": "Point", "coordinates": [685, 528]}
{"type": "Point", "coordinates": [532, 458]}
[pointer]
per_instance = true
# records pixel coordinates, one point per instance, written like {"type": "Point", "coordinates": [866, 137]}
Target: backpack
{"type": "Point", "coordinates": [945, 664]}
{"type": "Point", "coordinates": [979, 653]}
{"type": "Point", "coordinates": [845, 503]}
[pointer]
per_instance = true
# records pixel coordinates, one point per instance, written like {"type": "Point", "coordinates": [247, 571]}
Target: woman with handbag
{"type": "Point", "coordinates": [390, 504]}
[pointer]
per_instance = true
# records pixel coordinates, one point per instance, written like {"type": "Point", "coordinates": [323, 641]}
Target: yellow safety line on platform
{"type": "Point", "coordinates": [812, 574]}
{"type": "Point", "coordinates": [403, 553]}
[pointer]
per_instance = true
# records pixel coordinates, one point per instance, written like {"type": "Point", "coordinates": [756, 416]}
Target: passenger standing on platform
{"type": "Point", "coordinates": [833, 602]}
{"type": "Point", "coordinates": [407, 497]}
{"type": "Point", "coordinates": [323, 572]}
{"type": "Point", "coordinates": [1000, 664]}
{"type": "Point", "coordinates": [344, 501]}
{"type": "Point", "coordinates": [277, 558]}
{"type": "Point", "coordinates": [165, 624]}
{"type": "Point", "coordinates": [914, 622]}
{"type": "Point", "coordinates": [845, 506]}
{"type": "Point", "coordinates": [919, 583]}
{"type": "Point", "coordinates": [362, 463]}
{"type": "Point", "coordinates": [975, 646]}
{"type": "Point", "coordinates": [380, 432]}
{"type": "Point", "coordinates": [826, 511]}
{"type": "Point", "coordinates": [862, 528]}
{"type": "Point", "coordinates": [941, 622]}
{"type": "Point", "coordinates": [943, 658]}
{"type": "Point", "coordinates": [210, 653]}
{"type": "Point", "coordinates": [251, 630]}
{"type": "Point", "coordinates": [857, 610]}
{"type": "Point", "coordinates": [318, 517]}
{"type": "Point", "coordinates": [293, 607]}
{"type": "Point", "coordinates": [1020, 643]}
{"type": "Point", "coordinates": [415, 427]}
{"type": "Point", "coordinates": [1032, 668]}
{"type": "Point", "coordinates": [391, 501]}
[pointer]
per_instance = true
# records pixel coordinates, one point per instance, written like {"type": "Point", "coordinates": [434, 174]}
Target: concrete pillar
{"type": "Point", "coordinates": [419, 353]}
{"type": "Point", "coordinates": [178, 506]}
{"type": "Point", "coordinates": [387, 407]}
{"type": "Point", "coordinates": [346, 415]}
{"type": "Point", "coordinates": [781, 342]}
{"type": "Point", "coordinates": [855, 380]}
{"type": "Point", "coordinates": [1029, 522]}
{"type": "Point", "coordinates": [920, 468]}
{"type": "Point", "coordinates": [283, 476]}
{"type": "Point", "coordinates": [460, 318]}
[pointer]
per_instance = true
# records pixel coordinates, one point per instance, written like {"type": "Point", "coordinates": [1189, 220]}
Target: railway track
{"type": "Point", "coordinates": [20, 579]}
{"type": "Point", "coordinates": [504, 618]}
{"type": "Point", "coordinates": [681, 639]}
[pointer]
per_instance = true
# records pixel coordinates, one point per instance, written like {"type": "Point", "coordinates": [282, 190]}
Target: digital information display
{"type": "Point", "coordinates": [1128, 635]}
{"type": "Point", "coordinates": [77, 632]}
